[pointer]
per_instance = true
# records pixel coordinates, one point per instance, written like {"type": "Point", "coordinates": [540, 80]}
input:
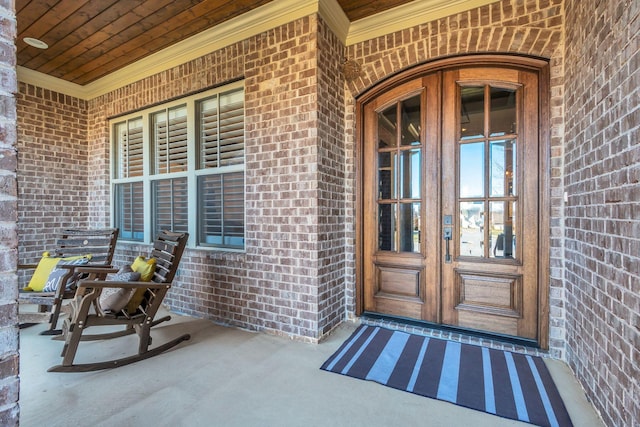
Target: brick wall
{"type": "Point", "coordinates": [290, 280]}
{"type": "Point", "coordinates": [53, 183]}
{"type": "Point", "coordinates": [332, 185]}
{"type": "Point", "coordinates": [602, 179]}
{"type": "Point", "coordinates": [282, 164]}
{"type": "Point", "coordinates": [9, 356]}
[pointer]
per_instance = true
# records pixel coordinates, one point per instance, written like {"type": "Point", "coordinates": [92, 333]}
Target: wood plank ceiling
{"type": "Point", "coordinates": [89, 39]}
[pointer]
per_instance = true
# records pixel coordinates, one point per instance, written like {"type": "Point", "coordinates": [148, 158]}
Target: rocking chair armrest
{"type": "Point", "coordinates": [117, 284]}
{"type": "Point", "coordinates": [96, 269]}
{"type": "Point", "coordinates": [27, 266]}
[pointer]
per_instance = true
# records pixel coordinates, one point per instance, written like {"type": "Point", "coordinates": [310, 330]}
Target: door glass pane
{"type": "Point", "coordinates": [503, 166]}
{"type": "Point", "coordinates": [386, 175]}
{"type": "Point", "coordinates": [503, 111]}
{"type": "Point", "coordinates": [472, 170]}
{"type": "Point", "coordinates": [471, 229]}
{"type": "Point", "coordinates": [387, 125]}
{"type": "Point", "coordinates": [471, 112]}
{"type": "Point", "coordinates": [409, 227]}
{"type": "Point", "coordinates": [386, 227]}
{"type": "Point", "coordinates": [410, 166]}
{"type": "Point", "coordinates": [502, 229]}
{"type": "Point", "coordinates": [410, 121]}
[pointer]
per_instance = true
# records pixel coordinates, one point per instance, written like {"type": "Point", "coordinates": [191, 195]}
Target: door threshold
{"type": "Point", "coordinates": [470, 336]}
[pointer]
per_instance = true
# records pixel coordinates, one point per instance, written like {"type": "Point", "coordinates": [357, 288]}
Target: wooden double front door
{"type": "Point", "coordinates": [450, 200]}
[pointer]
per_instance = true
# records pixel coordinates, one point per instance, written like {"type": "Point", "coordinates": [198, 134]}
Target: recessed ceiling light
{"type": "Point", "coordinates": [35, 43]}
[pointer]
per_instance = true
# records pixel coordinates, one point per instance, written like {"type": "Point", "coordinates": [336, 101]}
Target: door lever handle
{"type": "Point", "coordinates": [447, 238]}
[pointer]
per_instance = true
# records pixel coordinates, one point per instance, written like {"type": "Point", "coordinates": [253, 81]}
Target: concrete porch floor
{"type": "Point", "coordinates": [230, 377]}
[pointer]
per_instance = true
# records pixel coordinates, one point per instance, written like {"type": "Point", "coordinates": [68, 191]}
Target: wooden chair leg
{"type": "Point", "coordinates": [53, 320]}
{"type": "Point", "coordinates": [71, 345]}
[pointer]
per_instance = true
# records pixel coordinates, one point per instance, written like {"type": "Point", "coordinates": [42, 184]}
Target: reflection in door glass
{"type": "Point", "coordinates": [410, 229]}
{"type": "Point", "coordinates": [472, 170]}
{"type": "Point", "coordinates": [503, 111]}
{"type": "Point", "coordinates": [387, 124]}
{"type": "Point", "coordinates": [410, 167]}
{"type": "Point", "coordinates": [386, 227]}
{"type": "Point", "coordinates": [472, 229]}
{"type": "Point", "coordinates": [410, 121]}
{"type": "Point", "coordinates": [386, 175]}
{"type": "Point", "coordinates": [471, 112]}
{"type": "Point", "coordinates": [502, 229]}
{"type": "Point", "coordinates": [503, 166]}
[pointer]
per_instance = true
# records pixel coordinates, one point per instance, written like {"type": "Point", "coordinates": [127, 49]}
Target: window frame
{"type": "Point", "coordinates": [192, 173]}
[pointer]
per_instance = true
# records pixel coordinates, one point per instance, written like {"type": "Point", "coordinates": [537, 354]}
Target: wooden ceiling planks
{"type": "Point", "coordinates": [89, 39]}
{"type": "Point", "coordinates": [164, 29]}
{"type": "Point", "coordinates": [358, 9]}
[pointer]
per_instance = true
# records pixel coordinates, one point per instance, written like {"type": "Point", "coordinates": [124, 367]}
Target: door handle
{"type": "Point", "coordinates": [447, 235]}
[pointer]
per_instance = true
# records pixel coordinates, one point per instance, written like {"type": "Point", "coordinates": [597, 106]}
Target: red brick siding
{"type": "Point", "coordinates": [602, 179]}
{"type": "Point", "coordinates": [282, 177]}
{"type": "Point", "coordinates": [52, 167]}
{"type": "Point", "coordinates": [332, 184]}
{"type": "Point", "coordinates": [9, 343]}
{"type": "Point", "coordinates": [276, 284]}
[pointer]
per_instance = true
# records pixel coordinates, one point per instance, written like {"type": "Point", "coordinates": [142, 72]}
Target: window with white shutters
{"type": "Point", "coordinates": [180, 166]}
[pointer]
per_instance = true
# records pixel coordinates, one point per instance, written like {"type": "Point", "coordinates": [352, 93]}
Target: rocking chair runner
{"type": "Point", "coordinates": [167, 250]}
{"type": "Point", "coordinates": [100, 244]}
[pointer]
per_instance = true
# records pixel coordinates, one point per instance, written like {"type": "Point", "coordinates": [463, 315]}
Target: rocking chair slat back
{"type": "Point", "coordinates": [100, 243]}
{"type": "Point", "coordinates": [167, 250]}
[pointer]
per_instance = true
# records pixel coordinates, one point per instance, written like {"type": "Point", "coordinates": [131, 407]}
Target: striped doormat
{"type": "Point", "coordinates": [511, 385]}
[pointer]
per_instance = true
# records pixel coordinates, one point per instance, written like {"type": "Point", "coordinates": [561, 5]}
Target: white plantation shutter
{"type": "Point", "coordinates": [129, 214]}
{"type": "Point", "coordinates": [170, 205]}
{"type": "Point", "coordinates": [169, 140]}
{"type": "Point", "coordinates": [208, 137]}
{"type": "Point", "coordinates": [221, 125]}
{"type": "Point", "coordinates": [232, 128]}
{"type": "Point", "coordinates": [130, 148]}
{"type": "Point", "coordinates": [221, 209]}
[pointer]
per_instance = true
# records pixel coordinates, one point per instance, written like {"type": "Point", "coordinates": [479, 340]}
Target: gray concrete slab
{"type": "Point", "coordinates": [230, 377]}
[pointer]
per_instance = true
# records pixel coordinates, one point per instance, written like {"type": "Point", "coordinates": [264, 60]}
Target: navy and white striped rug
{"type": "Point", "coordinates": [511, 385]}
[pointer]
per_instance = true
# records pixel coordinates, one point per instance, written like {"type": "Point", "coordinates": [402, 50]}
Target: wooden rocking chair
{"type": "Point", "coordinates": [87, 311]}
{"type": "Point", "coordinates": [98, 244]}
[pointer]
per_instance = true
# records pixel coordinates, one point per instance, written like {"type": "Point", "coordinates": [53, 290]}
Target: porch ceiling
{"type": "Point", "coordinates": [90, 39]}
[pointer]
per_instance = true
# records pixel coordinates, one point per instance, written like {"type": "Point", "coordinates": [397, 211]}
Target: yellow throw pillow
{"type": "Point", "coordinates": [146, 268]}
{"type": "Point", "coordinates": [44, 268]}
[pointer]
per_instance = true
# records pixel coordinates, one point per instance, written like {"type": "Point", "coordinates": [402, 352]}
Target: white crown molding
{"type": "Point", "coordinates": [407, 16]}
{"type": "Point", "coordinates": [335, 17]}
{"type": "Point", "coordinates": [45, 81]}
{"type": "Point", "coordinates": [256, 21]}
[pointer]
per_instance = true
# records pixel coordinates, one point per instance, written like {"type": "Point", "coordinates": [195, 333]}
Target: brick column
{"type": "Point", "coordinates": [9, 382]}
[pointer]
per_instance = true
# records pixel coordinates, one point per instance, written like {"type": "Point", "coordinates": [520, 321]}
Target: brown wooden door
{"type": "Point", "coordinates": [450, 195]}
